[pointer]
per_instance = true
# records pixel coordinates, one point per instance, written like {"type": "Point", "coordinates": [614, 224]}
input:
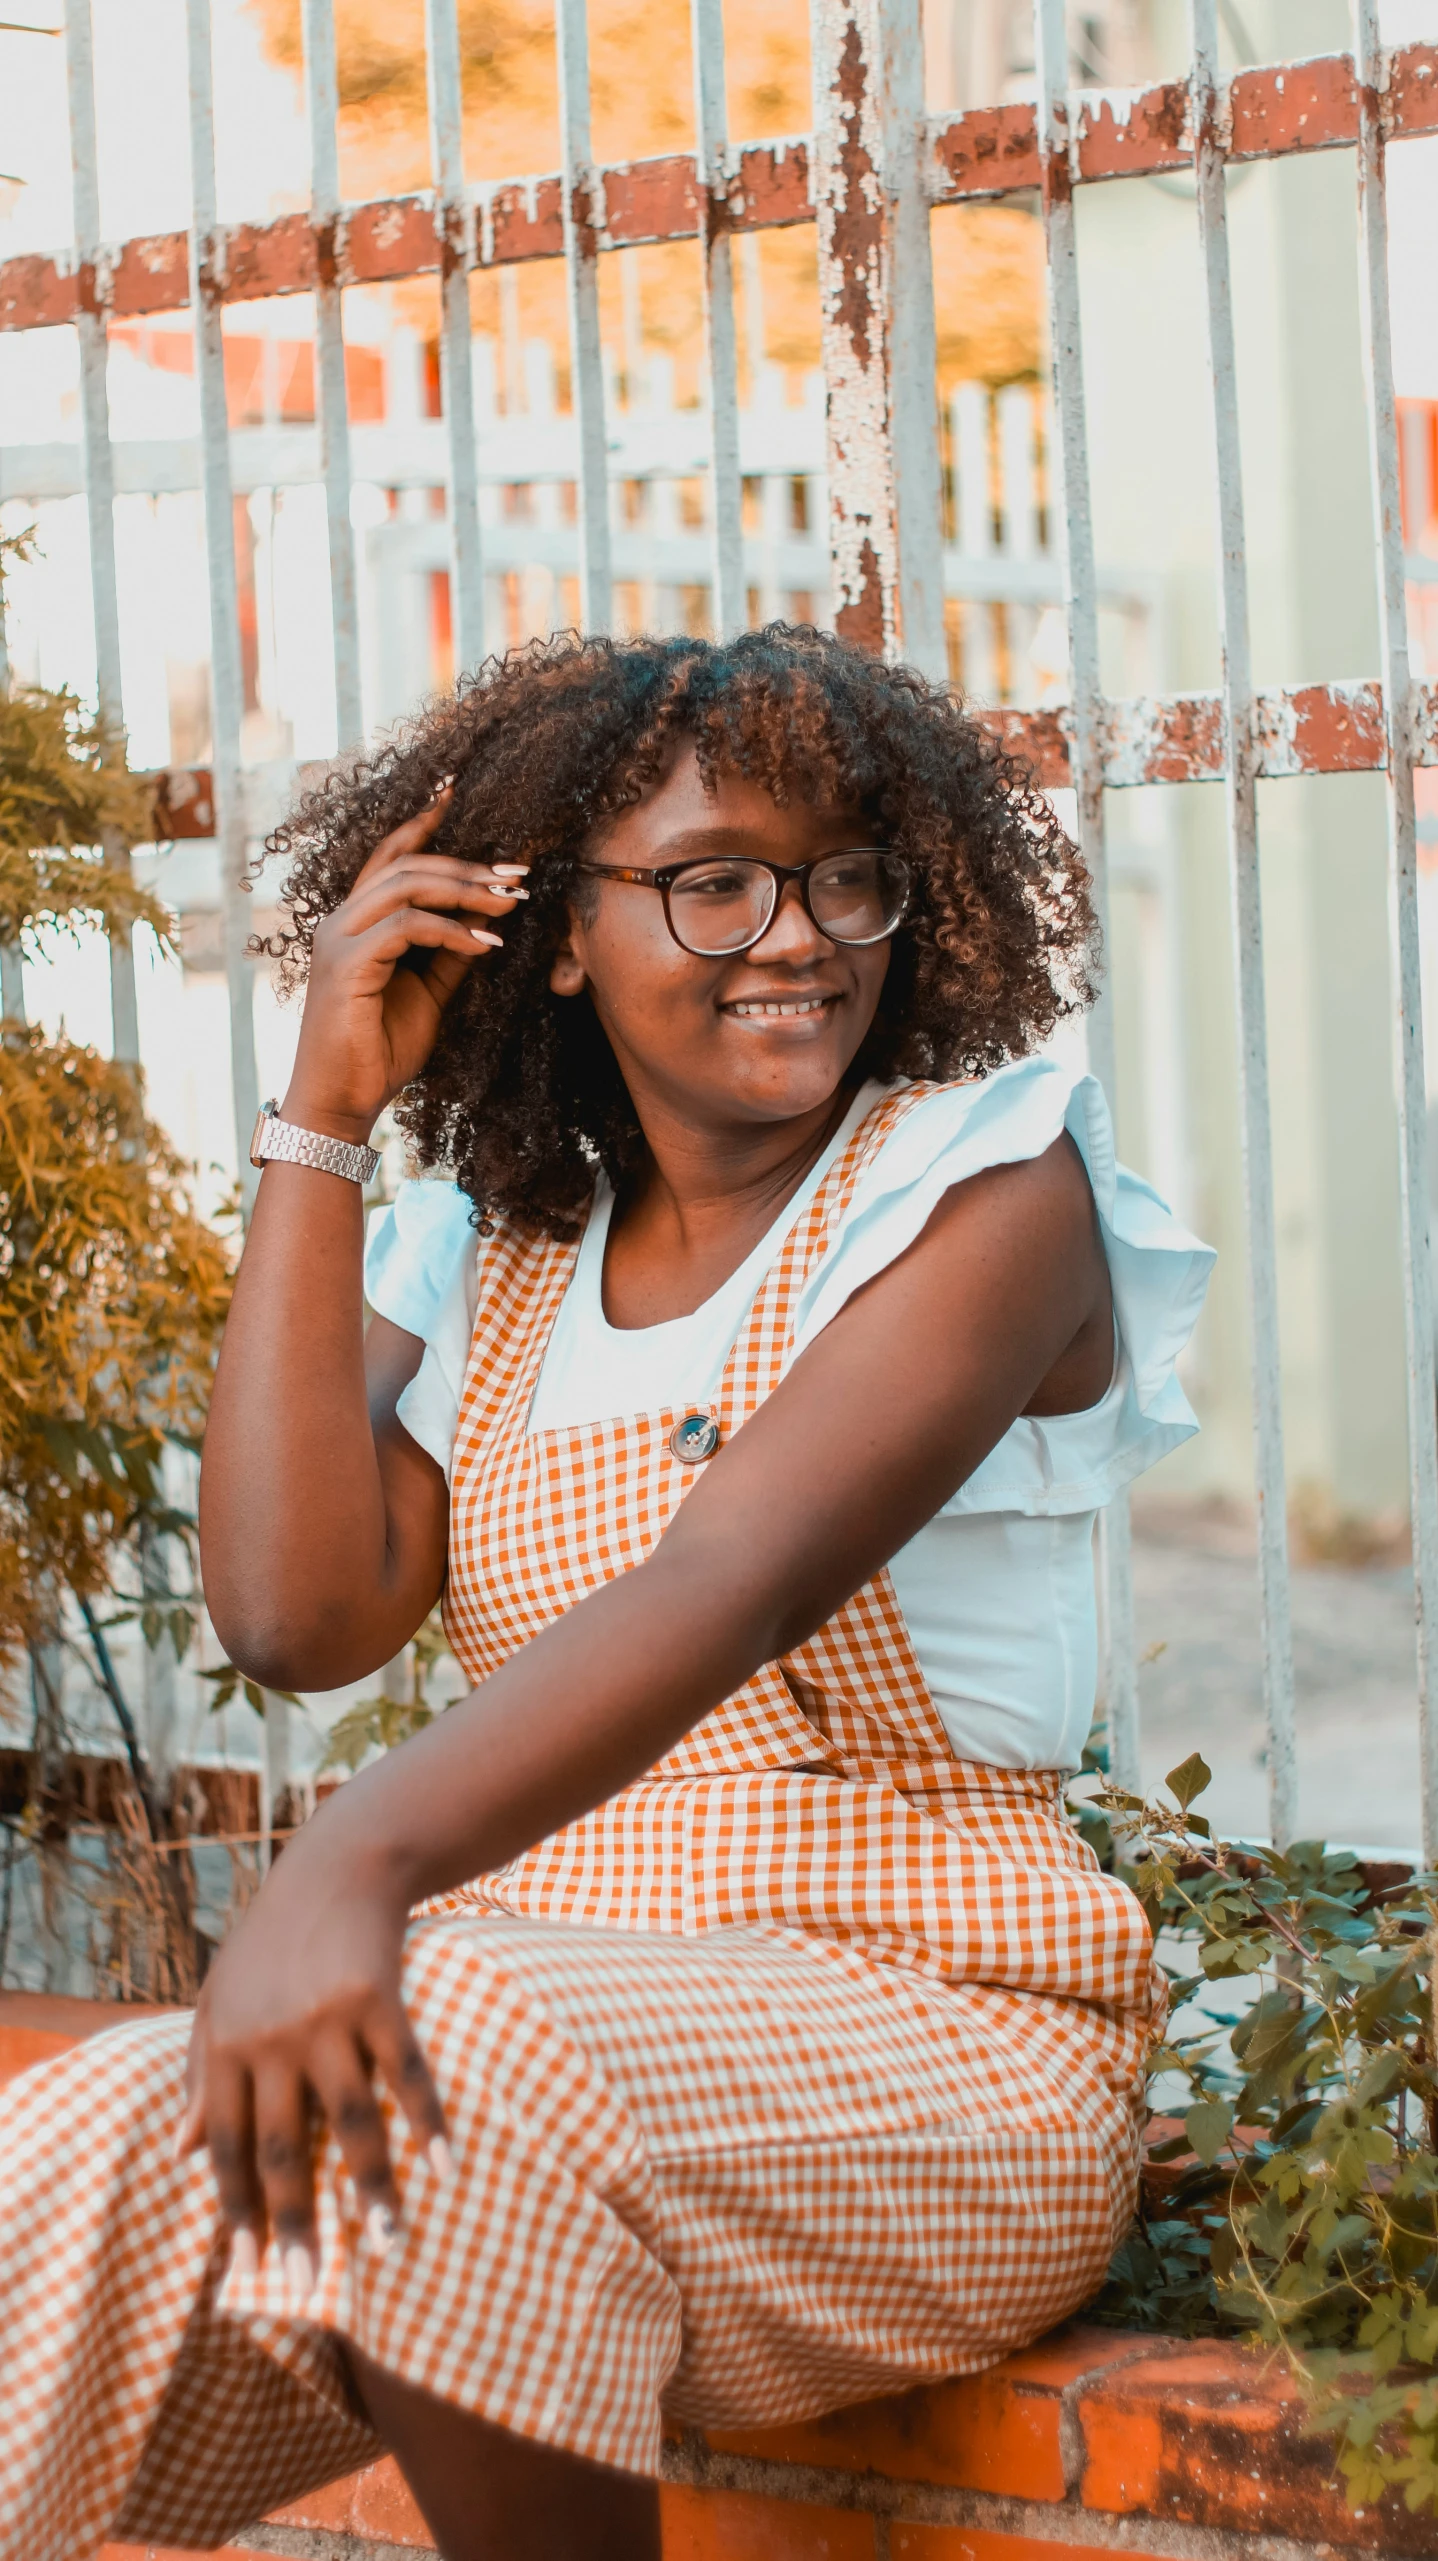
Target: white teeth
{"type": "Point", "coordinates": [811, 1005]}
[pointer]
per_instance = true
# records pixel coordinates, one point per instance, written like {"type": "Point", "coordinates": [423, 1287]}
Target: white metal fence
{"type": "Point", "coordinates": [866, 177]}
{"type": "Point", "coordinates": [998, 554]}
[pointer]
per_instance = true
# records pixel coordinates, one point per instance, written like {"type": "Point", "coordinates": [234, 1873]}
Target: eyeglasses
{"type": "Point", "coordinates": [723, 903]}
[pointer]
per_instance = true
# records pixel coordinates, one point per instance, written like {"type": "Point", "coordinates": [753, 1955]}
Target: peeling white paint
{"type": "Point", "coordinates": [876, 303]}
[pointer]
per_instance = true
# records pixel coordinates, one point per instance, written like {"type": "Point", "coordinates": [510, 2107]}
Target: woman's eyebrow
{"type": "Point", "coordinates": [729, 840]}
{"type": "Point", "coordinates": [705, 840]}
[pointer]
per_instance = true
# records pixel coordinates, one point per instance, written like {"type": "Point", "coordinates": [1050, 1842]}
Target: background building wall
{"type": "Point", "coordinates": [1323, 843]}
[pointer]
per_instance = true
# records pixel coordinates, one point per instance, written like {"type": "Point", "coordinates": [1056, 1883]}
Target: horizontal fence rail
{"type": "Point", "coordinates": [1155, 738]}
{"type": "Point", "coordinates": [1263, 114]}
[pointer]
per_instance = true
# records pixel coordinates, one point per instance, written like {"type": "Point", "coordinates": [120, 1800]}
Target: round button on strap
{"type": "Point", "coordinates": [696, 1438]}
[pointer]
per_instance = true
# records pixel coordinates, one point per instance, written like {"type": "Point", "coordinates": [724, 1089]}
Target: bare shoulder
{"type": "Point", "coordinates": [1036, 1208]}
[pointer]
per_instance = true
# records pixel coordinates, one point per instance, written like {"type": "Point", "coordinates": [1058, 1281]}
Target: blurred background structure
{"type": "Point", "coordinates": [369, 439]}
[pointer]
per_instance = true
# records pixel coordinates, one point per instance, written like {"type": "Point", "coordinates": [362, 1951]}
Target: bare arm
{"type": "Point", "coordinates": [322, 1524]}
{"type": "Point", "coordinates": [879, 1421]}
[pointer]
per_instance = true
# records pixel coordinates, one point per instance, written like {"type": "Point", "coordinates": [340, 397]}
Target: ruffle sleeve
{"type": "Point", "coordinates": [421, 1271]}
{"type": "Point", "coordinates": [1056, 1463]}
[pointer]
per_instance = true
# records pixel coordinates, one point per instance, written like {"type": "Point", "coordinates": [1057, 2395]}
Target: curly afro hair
{"type": "Point", "coordinates": [522, 1094]}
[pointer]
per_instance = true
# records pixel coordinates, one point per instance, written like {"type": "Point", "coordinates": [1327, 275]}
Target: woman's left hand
{"type": "Point", "coordinates": [301, 2008]}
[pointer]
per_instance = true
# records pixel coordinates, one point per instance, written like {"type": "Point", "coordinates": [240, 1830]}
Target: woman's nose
{"type": "Point", "coordinates": [791, 933]}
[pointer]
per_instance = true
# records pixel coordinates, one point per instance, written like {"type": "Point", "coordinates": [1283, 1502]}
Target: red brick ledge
{"type": "Point", "coordinates": [1092, 2440]}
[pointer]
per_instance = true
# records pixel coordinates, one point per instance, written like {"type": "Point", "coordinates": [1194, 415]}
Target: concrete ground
{"type": "Point", "coordinates": [1355, 1680]}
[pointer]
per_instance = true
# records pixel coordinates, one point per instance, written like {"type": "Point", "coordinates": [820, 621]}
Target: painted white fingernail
{"type": "Point", "coordinates": [509, 871]}
{"type": "Point", "coordinates": [504, 889]}
{"type": "Point", "coordinates": [441, 2159]}
{"type": "Point", "coordinates": [244, 2253]}
{"type": "Point", "coordinates": [299, 2269]}
{"type": "Point", "coordinates": [381, 2229]}
{"type": "Point", "coordinates": [480, 936]}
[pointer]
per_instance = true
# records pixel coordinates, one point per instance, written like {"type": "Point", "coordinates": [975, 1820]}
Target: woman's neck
{"type": "Point", "coordinates": [701, 1205]}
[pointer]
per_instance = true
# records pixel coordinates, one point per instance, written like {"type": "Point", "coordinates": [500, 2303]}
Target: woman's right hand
{"type": "Point", "coordinates": [369, 1025]}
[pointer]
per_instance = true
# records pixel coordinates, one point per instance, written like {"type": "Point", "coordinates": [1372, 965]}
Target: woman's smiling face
{"type": "Point", "coordinates": [762, 1035]}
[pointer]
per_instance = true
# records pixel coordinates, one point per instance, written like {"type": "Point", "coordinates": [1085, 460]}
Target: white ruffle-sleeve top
{"type": "Point", "coordinates": [998, 1588]}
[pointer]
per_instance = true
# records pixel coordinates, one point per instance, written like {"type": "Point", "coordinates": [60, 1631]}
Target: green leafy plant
{"type": "Point", "coordinates": [113, 1293]}
{"type": "Point", "coordinates": [231, 1683]}
{"type": "Point", "coordinates": [1296, 2203]}
{"type": "Point", "coordinates": [112, 1297]}
{"type": "Point", "coordinates": [378, 1724]}
{"type": "Point", "coordinates": [69, 809]}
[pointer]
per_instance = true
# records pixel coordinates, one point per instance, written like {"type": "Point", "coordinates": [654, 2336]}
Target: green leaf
{"type": "Point", "coordinates": [1208, 2127]}
{"type": "Point", "coordinates": [1350, 1964]}
{"type": "Point", "coordinates": [1347, 2232]}
{"type": "Point", "coordinates": [228, 1680]}
{"type": "Point", "coordinates": [1190, 1779]}
{"type": "Point", "coordinates": [1223, 2252]}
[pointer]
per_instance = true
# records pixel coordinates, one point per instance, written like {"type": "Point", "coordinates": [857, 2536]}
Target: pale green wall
{"type": "Point", "coordinates": [1325, 897]}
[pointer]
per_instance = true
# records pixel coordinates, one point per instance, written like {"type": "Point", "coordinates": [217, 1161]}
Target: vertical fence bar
{"type": "Point", "coordinates": [12, 967]}
{"type": "Point", "coordinates": [12, 983]}
{"type": "Point", "coordinates": [583, 219]}
{"type": "Point", "coordinates": [1241, 797]}
{"type": "Point", "coordinates": [99, 467]}
{"type": "Point", "coordinates": [1120, 1679]}
{"type": "Point", "coordinates": [913, 352]}
{"type": "Point", "coordinates": [711, 132]}
{"type": "Point", "coordinates": [1402, 878]}
{"type": "Point", "coordinates": [876, 300]}
{"type": "Point", "coordinates": [454, 222]}
{"type": "Point", "coordinates": [227, 698]}
{"type": "Point", "coordinates": [331, 390]}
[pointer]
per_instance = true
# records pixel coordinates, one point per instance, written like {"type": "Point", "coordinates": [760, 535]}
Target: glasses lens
{"type": "Point", "coordinates": [859, 897]}
{"type": "Point", "coordinates": [721, 906]}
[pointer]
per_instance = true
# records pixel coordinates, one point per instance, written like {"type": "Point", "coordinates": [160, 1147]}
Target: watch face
{"type": "Point", "coordinates": [262, 1116]}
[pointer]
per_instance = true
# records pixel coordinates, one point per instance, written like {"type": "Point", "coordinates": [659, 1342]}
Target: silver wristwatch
{"type": "Point", "coordinates": [281, 1140]}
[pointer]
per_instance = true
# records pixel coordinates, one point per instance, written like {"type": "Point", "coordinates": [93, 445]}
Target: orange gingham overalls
{"type": "Point", "coordinates": [804, 2069]}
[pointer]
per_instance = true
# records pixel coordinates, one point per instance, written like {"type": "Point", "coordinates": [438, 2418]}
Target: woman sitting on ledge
{"type": "Point", "coordinates": [713, 2018]}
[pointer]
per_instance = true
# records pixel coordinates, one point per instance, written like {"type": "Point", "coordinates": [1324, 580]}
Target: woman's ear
{"type": "Point", "coordinates": [566, 970]}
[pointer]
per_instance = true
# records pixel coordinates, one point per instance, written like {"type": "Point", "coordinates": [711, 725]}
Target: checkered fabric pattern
{"type": "Point", "coordinates": [805, 2069]}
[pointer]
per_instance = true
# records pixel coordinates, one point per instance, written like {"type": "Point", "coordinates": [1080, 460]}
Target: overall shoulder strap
{"type": "Point", "coordinates": [758, 1355]}
{"type": "Point", "coordinates": [522, 1278]}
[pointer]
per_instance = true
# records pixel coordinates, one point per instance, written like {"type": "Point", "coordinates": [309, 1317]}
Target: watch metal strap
{"type": "Point", "coordinates": [277, 1140]}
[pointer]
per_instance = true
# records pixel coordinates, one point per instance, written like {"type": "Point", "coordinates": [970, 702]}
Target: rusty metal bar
{"type": "Point", "coordinates": [331, 391]}
{"type": "Point", "coordinates": [227, 700]}
{"type": "Point", "coordinates": [1147, 738]}
{"type": "Point", "coordinates": [1086, 756]}
{"type": "Point", "coordinates": [583, 223]}
{"type": "Point", "coordinates": [986, 154]}
{"type": "Point", "coordinates": [91, 332]}
{"type": "Point", "coordinates": [1242, 817]}
{"type": "Point", "coordinates": [729, 604]}
{"type": "Point", "coordinates": [877, 318]}
{"type": "Point", "coordinates": [454, 226]}
{"type": "Point", "coordinates": [1403, 881]}
{"type": "Point", "coordinates": [863, 527]}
